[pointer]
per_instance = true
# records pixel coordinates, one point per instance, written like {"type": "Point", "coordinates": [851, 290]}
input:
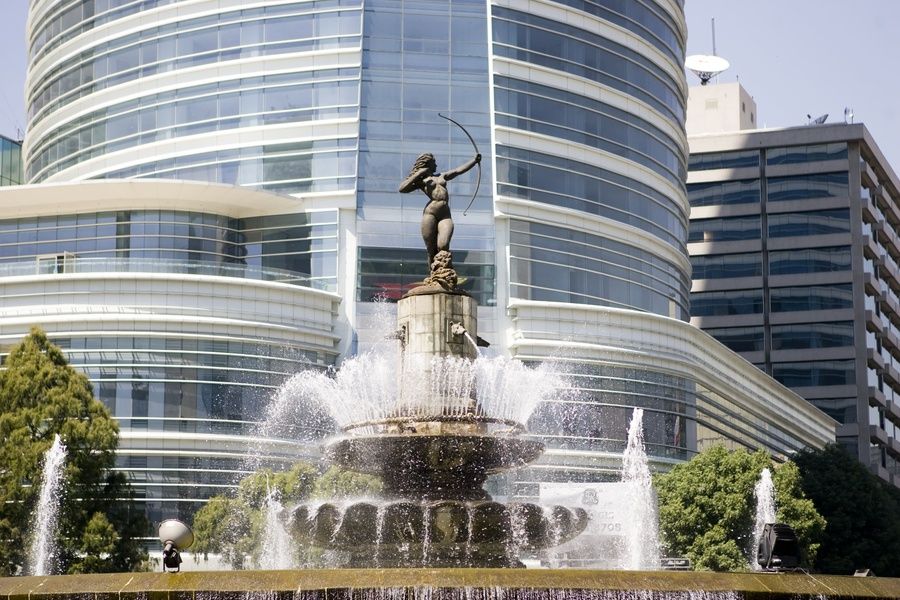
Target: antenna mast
{"type": "Point", "coordinates": [714, 42]}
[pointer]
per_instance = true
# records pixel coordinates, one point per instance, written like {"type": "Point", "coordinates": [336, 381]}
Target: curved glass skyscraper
{"type": "Point", "coordinates": [574, 244]}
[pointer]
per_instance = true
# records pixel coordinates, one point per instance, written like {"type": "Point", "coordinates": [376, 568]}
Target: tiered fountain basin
{"type": "Point", "coordinates": [443, 533]}
{"type": "Point", "coordinates": [432, 510]}
{"type": "Point", "coordinates": [450, 584]}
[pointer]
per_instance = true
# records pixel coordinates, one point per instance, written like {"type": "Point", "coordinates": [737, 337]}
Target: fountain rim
{"type": "Point", "coordinates": [516, 427]}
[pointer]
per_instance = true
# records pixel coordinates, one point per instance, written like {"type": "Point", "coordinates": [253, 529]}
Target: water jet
{"type": "Point", "coordinates": [42, 550]}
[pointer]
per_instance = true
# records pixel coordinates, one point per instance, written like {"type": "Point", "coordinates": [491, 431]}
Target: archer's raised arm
{"type": "Point", "coordinates": [462, 168]}
{"type": "Point", "coordinates": [413, 182]}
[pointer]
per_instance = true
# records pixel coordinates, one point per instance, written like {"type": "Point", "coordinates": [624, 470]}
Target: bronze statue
{"type": "Point", "coordinates": [437, 223]}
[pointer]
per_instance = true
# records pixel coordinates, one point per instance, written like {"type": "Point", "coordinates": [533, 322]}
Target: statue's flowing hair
{"type": "Point", "coordinates": [421, 163]}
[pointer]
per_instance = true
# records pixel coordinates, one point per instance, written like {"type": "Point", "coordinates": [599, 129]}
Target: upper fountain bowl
{"type": "Point", "coordinates": [433, 466]}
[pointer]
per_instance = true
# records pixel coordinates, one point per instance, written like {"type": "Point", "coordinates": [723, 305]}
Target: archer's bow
{"type": "Point", "coordinates": [477, 181]}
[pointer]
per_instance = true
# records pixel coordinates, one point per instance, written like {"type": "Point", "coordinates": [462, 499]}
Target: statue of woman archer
{"type": "Point", "coordinates": [437, 224]}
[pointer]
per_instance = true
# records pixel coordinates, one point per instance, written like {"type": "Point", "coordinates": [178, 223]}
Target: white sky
{"type": "Point", "coordinates": [796, 57]}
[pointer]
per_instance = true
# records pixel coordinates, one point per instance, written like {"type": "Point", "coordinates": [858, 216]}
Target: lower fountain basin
{"type": "Point", "coordinates": [433, 467]}
{"type": "Point", "coordinates": [447, 533]}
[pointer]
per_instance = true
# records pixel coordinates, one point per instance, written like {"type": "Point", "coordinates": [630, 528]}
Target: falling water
{"type": "Point", "coordinates": [42, 553]}
{"type": "Point", "coordinates": [765, 511]}
{"type": "Point", "coordinates": [641, 544]}
{"type": "Point", "coordinates": [278, 549]}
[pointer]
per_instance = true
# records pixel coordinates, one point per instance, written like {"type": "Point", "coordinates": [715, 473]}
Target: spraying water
{"type": "Point", "coordinates": [365, 389]}
{"type": "Point", "coordinates": [278, 549]}
{"type": "Point", "coordinates": [42, 552]}
{"type": "Point", "coordinates": [765, 511]}
{"type": "Point", "coordinates": [641, 544]}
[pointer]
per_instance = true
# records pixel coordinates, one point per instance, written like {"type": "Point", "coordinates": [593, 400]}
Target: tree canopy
{"type": "Point", "coordinates": [707, 508]}
{"type": "Point", "coordinates": [863, 513]}
{"type": "Point", "coordinates": [41, 396]}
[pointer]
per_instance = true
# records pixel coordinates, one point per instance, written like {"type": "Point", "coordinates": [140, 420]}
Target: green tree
{"type": "Point", "coordinates": [233, 527]}
{"type": "Point", "coordinates": [342, 483]}
{"type": "Point", "coordinates": [707, 508]}
{"type": "Point", "coordinates": [863, 513]}
{"type": "Point", "coordinates": [41, 396]}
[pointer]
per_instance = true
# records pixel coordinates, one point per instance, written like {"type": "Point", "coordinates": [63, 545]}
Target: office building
{"type": "Point", "coordinates": [313, 112]}
{"type": "Point", "coordinates": [794, 248]}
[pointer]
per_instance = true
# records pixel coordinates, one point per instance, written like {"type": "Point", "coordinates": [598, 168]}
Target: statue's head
{"type": "Point", "coordinates": [425, 160]}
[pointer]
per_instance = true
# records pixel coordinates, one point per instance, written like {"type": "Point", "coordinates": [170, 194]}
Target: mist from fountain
{"type": "Point", "coordinates": [42, 550]}
{"type": "Point", "coordinates": [764, 492]}
{"type": "Point", "coordinates": [641, 549]}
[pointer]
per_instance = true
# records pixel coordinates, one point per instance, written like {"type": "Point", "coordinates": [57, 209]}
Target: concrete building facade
{"type": "Point", "coordinates": [296, 121]}
{"type": "Point", "coordinates": [793, 243]}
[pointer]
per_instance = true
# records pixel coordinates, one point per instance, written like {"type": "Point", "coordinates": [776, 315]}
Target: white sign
{"type": "Point", "coordinates": [600, 544]}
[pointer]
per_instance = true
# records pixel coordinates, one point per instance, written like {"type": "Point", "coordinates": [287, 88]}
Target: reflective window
{"type": "Point", "coordinates": [812, 335]}
{"type": "Point", "coordinates": [842, 410]}
{"type": "Point", "coordinates": [73, 18]}
{"type": "Point", "coordinates": [813, 297]}
{"type": "Point", "coordinates": [805, 374]}
{"type": "Point", "coordinates": [572, 50]}
{"type": "Point", "coordinates": [185, 384]}
{"type": "Point", "coordinates": [597, 417]}
{"type": "Point", "coordinates": [802, 154]}
{"type": "Point", "coordinates": [561, 265]}
{"type": "Point", "coordinates": [725, 229]}
{"type": "Point", "coordinates": [731, 302]}
{"type": "Point", "coordinates": [441, 49]}
{"type": "Point", "coordinates": [722, 266]}
{"type": "Point", "coordinates": [802, 187]}
{"type": "Point", "coordinates": [563, 114]}
{"type": "Point", "coordinates": [744, 191]}
{"type": "Point", "coordinates": [739, 339]}
{"type": "Point", "coordinates": [10, 162]}
{"type": "Point", "coordinates": [809, 260]}
{"type": "Point", "coordinates": [819, 222]}
{"type": "Point", "coordinates": [283, 168]}
{"type": "Point", "coordinates": [325, 94]}
{"type": "Point", "coordinates": [723, 160]}
{"type": "Point", "coordinates": [188, 43]}
{"type": "Point", "coordinates": [642, 18]}
{"type": "Point", "coordinates": [580, 186]}
{"type": "Point", "coordinates": [388, 273]}
{"type": "Point", "coordinates": [299, 248]}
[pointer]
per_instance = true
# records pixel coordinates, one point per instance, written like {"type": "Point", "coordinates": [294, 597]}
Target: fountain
{"type": "Point", "coordinates": [450, 420]}
{"type": "Point", "coordinates": [764, 492]}
{"type": "Point", "coordinates": [433, 428]}
{"type": "Point", "coordinates": [42, 550]}
{"type": "Point", "coordinates": [641, 549]}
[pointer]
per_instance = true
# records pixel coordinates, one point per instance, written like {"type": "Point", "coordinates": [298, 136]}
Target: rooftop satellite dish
{"type": "Point", "coordinates": [820, 120]}
{"type": "Point", "coordinates": [705, 66]}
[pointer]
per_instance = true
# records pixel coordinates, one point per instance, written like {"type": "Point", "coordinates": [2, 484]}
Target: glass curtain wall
{"type": "Point", "coordinates": [422, 58]}
{"type": "Point", "coordinates": [572, 42]}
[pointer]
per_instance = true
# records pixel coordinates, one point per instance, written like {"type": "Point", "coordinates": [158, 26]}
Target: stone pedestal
{"type": "Point", "coordinates": [427, 325]}
{"type": "Point", "coordinates": [435, 325]}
